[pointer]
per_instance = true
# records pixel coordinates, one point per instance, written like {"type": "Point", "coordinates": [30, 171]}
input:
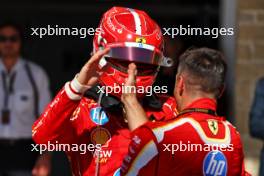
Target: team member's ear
{"type": "Point", "coordinates": [179, 85]}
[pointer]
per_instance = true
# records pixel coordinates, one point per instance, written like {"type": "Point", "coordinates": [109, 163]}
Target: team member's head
{"type": "Point", "coordinates": [132, 36]}
{"type": "Point", "coordinates": [201, 74]}
{"type": "Point", "coordinates": [10, 41]}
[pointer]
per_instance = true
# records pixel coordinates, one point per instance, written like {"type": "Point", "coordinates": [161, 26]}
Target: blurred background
{"type": "Point", "coordinates": [63, 56]}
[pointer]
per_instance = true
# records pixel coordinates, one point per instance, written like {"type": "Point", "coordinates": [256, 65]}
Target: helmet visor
{"type": "Point", "coordinates": [138, 53]}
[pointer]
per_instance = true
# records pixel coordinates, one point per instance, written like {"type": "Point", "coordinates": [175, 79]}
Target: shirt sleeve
{"type": "Point", "coordinates": [257, 112]}
{"type": "Point", "coordinates": [54, 124]}
{"type": "Point", "coordinates": [142, 154]}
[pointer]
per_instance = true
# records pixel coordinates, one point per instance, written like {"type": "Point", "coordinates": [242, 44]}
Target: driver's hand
{"type": "Point", "coordinates": [90, 72]}
{"type": "Point", "coordinates": [129, 93]}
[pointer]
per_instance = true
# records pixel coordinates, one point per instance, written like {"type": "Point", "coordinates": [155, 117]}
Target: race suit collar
{"type": "Point", "coordinates": [204, 103]}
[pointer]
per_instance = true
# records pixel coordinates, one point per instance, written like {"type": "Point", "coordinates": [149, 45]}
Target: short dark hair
{"type": "Point", "coordinates": [14, 26]}
{"type": "Point", "coordinates": [205, 68]}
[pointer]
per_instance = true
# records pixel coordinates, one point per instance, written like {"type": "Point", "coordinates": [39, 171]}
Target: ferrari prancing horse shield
{"type": "Point", "coordinates": [213, 126]}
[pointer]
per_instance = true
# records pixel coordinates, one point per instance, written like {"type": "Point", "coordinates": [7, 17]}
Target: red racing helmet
{"type": "Point", "coordinates": [132, 36]}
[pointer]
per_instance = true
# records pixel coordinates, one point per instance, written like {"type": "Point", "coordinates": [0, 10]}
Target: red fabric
{"type": "Point", "coordinates": [119, 26]}
{"type": "Point", "coordinates": [69, 122]}
{"type": "Point", "coordinates": [182, 130]}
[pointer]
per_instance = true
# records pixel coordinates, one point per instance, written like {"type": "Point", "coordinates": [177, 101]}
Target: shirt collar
{"type": "Point", "coordinates": [204, 103]}
{"type": "Point", "coordinates": [16, 66]}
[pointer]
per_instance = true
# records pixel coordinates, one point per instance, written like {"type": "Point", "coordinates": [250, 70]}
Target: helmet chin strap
{"type": "Point", "coordinates": [98, 157]}
{"type": "Point", "coordinates": [99, 101]}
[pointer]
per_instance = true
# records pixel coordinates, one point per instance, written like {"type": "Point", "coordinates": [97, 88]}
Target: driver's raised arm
{"type": "Point", "coordinates": [56, 118]}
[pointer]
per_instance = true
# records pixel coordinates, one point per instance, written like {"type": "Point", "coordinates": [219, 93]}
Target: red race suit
{"type": "Point", "coordinates": [71, 119]}
{"type": "Point", "coordinates": [192, 144]}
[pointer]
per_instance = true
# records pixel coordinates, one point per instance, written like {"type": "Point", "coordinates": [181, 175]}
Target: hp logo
{"type": "Point", "coordinates": [215, 164]}
{"type": "Point", "coordinates": [98, 116]}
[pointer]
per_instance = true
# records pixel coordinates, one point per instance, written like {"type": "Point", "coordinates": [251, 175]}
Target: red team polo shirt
{"type": "Point", "coordinates": [181, 147]}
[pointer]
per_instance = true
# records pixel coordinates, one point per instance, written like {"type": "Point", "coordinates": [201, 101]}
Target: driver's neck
{"type": "Point", "coordinates": [9, 62]}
